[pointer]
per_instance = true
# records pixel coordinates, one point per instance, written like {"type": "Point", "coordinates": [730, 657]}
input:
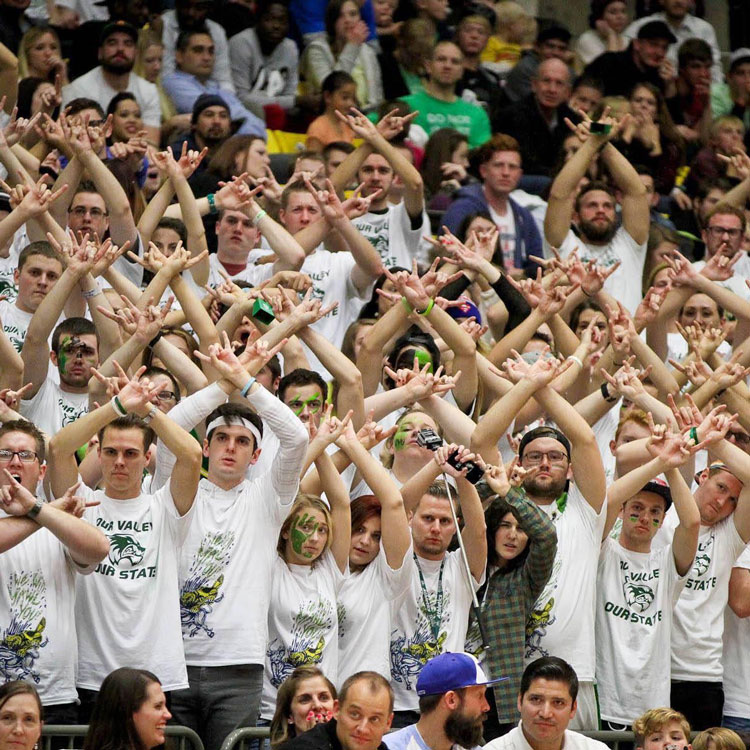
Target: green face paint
{"type": "Point", "coordinates": [633, 517]}
{"type": "Point", "coordinates": [62, 356]}
{"type": "Point", "coordinates": [298, 404]}
{"type": "Point", "coordinates": [400, 438]}
{"type": "Point", "coordinates": [303, 527]}
{"type": "Point", "coordinates": [655, 521]}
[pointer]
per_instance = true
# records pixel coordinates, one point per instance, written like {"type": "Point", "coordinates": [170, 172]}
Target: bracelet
{"type": "Point", "coordinates": [91, 293]}
{"type": "Point", "coordinates": [577, 360]}
{"type": "Point", "coordinates": [247, 387]}
{"type": "Point", "coordinates": [406, 304]}
{"type": "Point", "coordinates": [608, 397]}
{"type": "Point", "coordinates": [429, 307]}
{"type": "Point", "coordinates": [693, 434]}
{"type": "Point", "coordinates": [120, 410]}
{"type": "Point", "coordinates": [259, 216]}
{"type": "Point", "coordinates": [34, 512]}
{"type": "Point", "coordinates": [155, 339]}
{"type": "Point", "coordinates": [147, 419]}
{"type": "Point", "coordinates": [211, 198]}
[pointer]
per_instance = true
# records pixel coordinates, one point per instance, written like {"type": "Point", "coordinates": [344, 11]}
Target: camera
{"type": "Point", "coordinates": [430, 439]}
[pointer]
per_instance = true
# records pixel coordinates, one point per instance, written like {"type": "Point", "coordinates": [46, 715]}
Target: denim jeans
{"type": "Point", "coordinates": [218, 701]}
{"type": "Point", "coordinates": [737, 723]}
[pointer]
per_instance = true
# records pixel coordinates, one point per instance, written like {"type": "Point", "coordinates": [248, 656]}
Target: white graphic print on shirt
{"type": "Point", "coordinates": [24, 637]}
{"type": "Point", "coordinates": [201, 589]}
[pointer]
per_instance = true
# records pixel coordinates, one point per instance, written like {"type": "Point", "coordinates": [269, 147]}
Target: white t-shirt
{"type": "Point", "coordinates": [37, 628]}
{"type": "Point", "coordinates": [331, 274]}
{"type": "Point", "coordinates": [365, 617]}
{"type": "Point", "coordinates": [390, 233]}
{"type": "Point", "coordinates": [677, 349]}
{"type": "Point", "coordinates": [8, 265]}
{"type": "Point", "coordinates": [737, 656]}
{"type": "Point", "coordinates": [698, 626]}
{"type": "Point", "coordinates": [87, 10]}
{"type": "Point", "coordinates": [52, 408]}
{"type": "Point", "coordinates": [625, 283]}
{"type": "Point", "coordinates": [92, 85]}
{"type": "Point", "coordinates": [735, 283]}
{"type": "Point", "coordinates": [302, 623]}
{"type": "Point", "coordinates": [604, 430]}
{"type": "Point", "coordinates": [252, 274]}
{"type": "Point", "coordinates": [562, 621]}
{"type": "Point", "coordinates": [635, 595]}
{"type": "Point", "coordinates": [515, 740]}
{"type": "Point", "coordinates": [413, 642]}
{"type": "Point", "coordinates": [128, 611]}
{"type": "Point", "coordinates": [225, 573]}
{"type": "Point", "coordinates": [506, 226]}
{"type": "Point", "coordinates": [15, 323]}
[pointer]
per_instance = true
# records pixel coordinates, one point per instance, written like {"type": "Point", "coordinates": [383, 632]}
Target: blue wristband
{"type": "Point", "coordinates": [248, 386]}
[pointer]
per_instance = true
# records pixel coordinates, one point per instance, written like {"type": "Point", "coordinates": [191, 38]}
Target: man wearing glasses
{"type": "Point", "coordinates": [39, 571]}
{"type": "Point", "coordinates": [569, 485]}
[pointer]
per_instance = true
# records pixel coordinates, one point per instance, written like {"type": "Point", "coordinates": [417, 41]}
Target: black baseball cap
{"type": "Point", "coordinates": [656, 30]}
{"type": "Point", "coordinates": [661, 488]}
{"type": "Point", "coordinates": [118, 26]}
{"type": "Point", "coordinates": [542, 432]}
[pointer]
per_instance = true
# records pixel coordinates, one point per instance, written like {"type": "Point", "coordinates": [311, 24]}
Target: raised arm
{"type": "Point", "coordinates": [86, 544]}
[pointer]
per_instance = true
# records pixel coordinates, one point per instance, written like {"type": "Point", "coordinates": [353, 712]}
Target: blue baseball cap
{"type": "Point", "coordinates": [451, 671]}
{"type": "Point", "coordinates": [467, 309]}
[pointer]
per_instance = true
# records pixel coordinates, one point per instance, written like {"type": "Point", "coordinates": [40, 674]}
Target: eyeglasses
{"type": "Point", "coordinates": [734, 232]}
{"type": "Point", "coordinates": [166, 396]}
{"type": "Point", "coordinates": [81, 211]}
{"type": "Point", "coordinates": [535, 457]}
{"type": "Point", "coordinates": [26, 457]}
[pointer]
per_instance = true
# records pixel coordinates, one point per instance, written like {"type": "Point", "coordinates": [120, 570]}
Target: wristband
{"type": "Point", "coordinates": [427, 309]}
{"type": "Point", "coordinates": [406, 304]}
{"type": "Point", "coordinates": [693, 434]}
{"type": "Point", "coordinates": [212, 204]}
{"type": "Point", "coordinates": [259, 216]}
{"type": "Point", "coordinates": [147, 419]}
{"type": "Point", "coordinates": [34, 512]}
{"type": "Point", "coordinates": [118, 407]}
{"type": "Point", "coordinates": [155, 339]}
{"type": "Point", "coordinates": [608, 397]}
{"type": "Point", "coordinates": [577, 360]}
{"type": "Point", "coordinates": [91, 293]}
{"type": "Point", "coordinates": [247, 387]}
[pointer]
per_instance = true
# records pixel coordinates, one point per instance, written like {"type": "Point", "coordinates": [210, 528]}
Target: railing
{"type": "Point", "coordinates": [240, 738]}
{"type": "Point", "coordinates": [65, 737]}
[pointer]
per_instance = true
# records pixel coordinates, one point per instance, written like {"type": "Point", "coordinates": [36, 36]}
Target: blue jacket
{"type": "Point", "coordinates": [471, 199]}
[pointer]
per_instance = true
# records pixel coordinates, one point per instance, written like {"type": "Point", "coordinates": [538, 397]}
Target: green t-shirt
{"type": "Point", "coordinates": [434, 114]}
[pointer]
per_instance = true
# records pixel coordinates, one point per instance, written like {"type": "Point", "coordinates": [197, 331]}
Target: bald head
{"type": "Point", "coordinates": [551, 85]}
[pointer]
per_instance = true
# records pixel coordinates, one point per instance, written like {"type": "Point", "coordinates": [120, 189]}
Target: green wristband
{"type": "Point", "coordinates": [694, 435]}
{"type": "Point", "coordinates": [427, 309]}
{"type": "Point", "coordinates": [406, 304]}
{"type": "Point", "coordinates": [211, 204]}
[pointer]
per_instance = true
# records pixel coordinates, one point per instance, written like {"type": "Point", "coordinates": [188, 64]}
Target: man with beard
{"type": "Point", "coordinates": [593, 210]}
{"type": "Point", "coordinates": [210, 126]}
{"type": "Point", "coordinates": [547, 702]}
{"type": "Point", "coordinates": [114, 75]}
{"type": "Point", "coordinates": [452, 706]}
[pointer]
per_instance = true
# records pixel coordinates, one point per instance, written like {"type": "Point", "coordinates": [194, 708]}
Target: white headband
{"type": "Point", "coordinates": [224, 422]}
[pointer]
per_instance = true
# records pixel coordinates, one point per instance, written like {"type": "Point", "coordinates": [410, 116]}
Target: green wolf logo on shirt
{"type": "Point", "coordinates": [123, 547]}
{"type": "Point", "coordinates": [309, 625]}
{"type": "Point", "coordinates": [200, 590]}
{"type": "Point", "coordinates": [637, 595]}
{"type": "Point", "coordinates": [24, 636]}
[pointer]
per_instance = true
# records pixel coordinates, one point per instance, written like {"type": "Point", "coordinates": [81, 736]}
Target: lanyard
{"type": "Point", "coordinates": [434, 616]}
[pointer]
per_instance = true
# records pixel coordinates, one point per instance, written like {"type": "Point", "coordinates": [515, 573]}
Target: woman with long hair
{"type": "Point", "coordinates": [130, 712]}
{"type": "Point", "coordinates": [21, 716]}
{"type": "Point", "coordinates": [444, 167]}
{"type": "Point", "coordinates": [608, 19]}
{"type": "Point", "coordinates": [521, 546]}
{"type": "Point", "coordinates": [308, 571]}
{"type": "Point", "coordinates": [306, 698]}
{"type": "Point", "coordinates": [344, 48]}
{"type": "Point", "coordinates": [39, 55]}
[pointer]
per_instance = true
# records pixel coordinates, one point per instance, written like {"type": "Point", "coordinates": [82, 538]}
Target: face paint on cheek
{"type": "Point", "coordinates": [655, 521]}
{"type": "Point", "coordinates": [399, 439]}
{"type": "Point", "coordinates": [62, 357]}
{"type": "Point", "coordinates": [305, 402]}
{"type": "Point", "coordinates": [299, 537]}
{"type": "Point", "coordinates": [633, 518]}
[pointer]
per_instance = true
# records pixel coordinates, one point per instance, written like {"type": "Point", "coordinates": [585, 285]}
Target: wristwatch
{"type": "Point", "coordinates": [34, 512]}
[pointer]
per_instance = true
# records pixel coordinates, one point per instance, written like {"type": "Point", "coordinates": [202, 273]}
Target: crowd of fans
{"type": "Point", "coordinates": [453, 400]}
